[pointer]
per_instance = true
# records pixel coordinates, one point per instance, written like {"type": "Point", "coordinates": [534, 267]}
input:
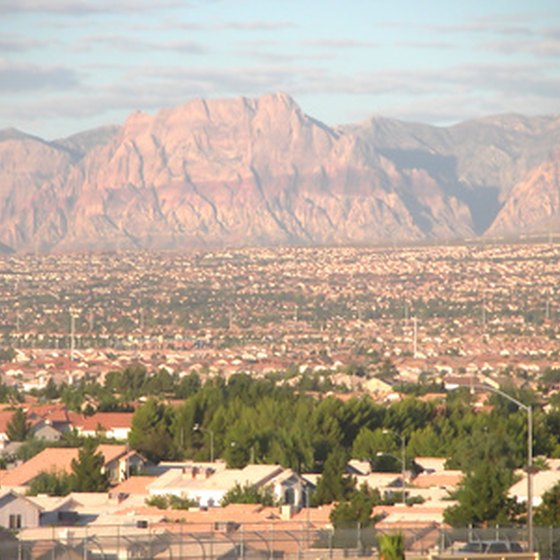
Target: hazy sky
{"type": "Point", "coordinates": [69, 65]}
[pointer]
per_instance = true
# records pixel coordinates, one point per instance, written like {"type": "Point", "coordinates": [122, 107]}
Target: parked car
{"type": "Point", "coordinates": [491, 547]}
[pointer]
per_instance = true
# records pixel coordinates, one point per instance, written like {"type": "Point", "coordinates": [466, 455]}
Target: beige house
{"type": "Point", "coordinates": [119, 462]}
{"type": "Point", "coordinates": [543, 481]}
{"type": "Point", "coordinates": [18, 512]}
{"type": "Point", "coordinates": [208, 487]}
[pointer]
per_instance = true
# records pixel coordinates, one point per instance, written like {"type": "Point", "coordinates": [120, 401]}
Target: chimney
{"type": "Point", "coordinates": [286, 512]}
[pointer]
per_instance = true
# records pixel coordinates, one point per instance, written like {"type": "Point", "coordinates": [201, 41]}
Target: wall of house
{"type": "Point", "coordinates": [19, 506]}
{"type": "Point", "coordinates": [118, 433]}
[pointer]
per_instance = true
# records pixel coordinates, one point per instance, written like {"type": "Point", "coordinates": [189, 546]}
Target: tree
{"type": "Point", "coordinates": [333, 485]}
{"type": "Point", "coordinates": [369, 443]}
{"type": "Point", "coordinates": [170, 502]}
{"type": "Point", "coordinates": [357, 509]}
{"type": "Point", "coordinates": [151, 431]}
{"type": "Point", "coordinates": [88, 474]}
{"type": "Point", "coordinates": [248, 495]}
{"type": "Point", "coordinates": [391, 546]}
{"type": "Point", "coordinates": [51, 483]}
{"type": "Point", "coordinates": [18, 427]}
{"type": "Point", "coordinates": [548, 513]}
{"type": "Point", "coordinates": [483, 498]}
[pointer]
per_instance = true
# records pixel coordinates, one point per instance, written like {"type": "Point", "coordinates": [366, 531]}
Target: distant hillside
{"type": "Point", "coordinates": [261, 172]}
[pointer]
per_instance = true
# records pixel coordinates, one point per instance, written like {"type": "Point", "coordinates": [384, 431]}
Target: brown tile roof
{"type": "Point", "coordinates": [5, 417]}
{"type": "Point", "coordinates": [445, 479]}
{"type": "Point", "coordinates": [58, 459]}
{"type": "Point", "coordinates": [134, 485]}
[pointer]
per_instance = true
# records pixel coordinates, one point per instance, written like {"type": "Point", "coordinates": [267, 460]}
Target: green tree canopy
{"type": "Point", "coordinates": [248, 494]}
{"type": "Point", "coordinates": [51, 483]}
{"type": "Point", "coordinates": [18, 427]}
{"type": "Point", "coordinates": [483, 498]}
{"type": "Point", "coordinates": [548, 513]}
{"type": "Point", "coordinates": [391, 546]}
{"type": "Point", "coordinates": [151, 431]}
{"type": "Point", "coordinates": [334, 485]}
{"type": "Point", "coordinates": [358, 509]}
{"type": "Point", "coordinates": [88, 473]}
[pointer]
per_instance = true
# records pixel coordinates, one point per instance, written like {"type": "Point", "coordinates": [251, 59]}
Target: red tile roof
{"type": "Point", "coordinates": [106, 420]}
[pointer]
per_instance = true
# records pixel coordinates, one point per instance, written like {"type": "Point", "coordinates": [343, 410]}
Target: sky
{"type": "Point", "coordinates": [71, 65]}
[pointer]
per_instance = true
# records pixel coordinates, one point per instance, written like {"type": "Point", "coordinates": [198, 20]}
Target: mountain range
{"type": "Point", "coordinates": [254, 172]}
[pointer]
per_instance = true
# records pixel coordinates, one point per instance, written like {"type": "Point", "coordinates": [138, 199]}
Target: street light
{"type": "Point", "coordinates": [199, 428]}
{"type": "Point", "coordinates": [527, 408]}
{"type": "Point", "coordinates": [402, 440]}
{"type": "Point", "coordinates": [252, 459]}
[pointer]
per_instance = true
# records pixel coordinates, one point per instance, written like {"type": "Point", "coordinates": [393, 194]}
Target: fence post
{"type": "Point", "coordinates": [271, 541]}
{"type": "Point", "coordinates": [358, 536]}
{"type": "Point", "coordinates": [85, 544]}
{"type": "Point", "coordinates": [181, 541]}
{"type": "Point", "coordinates": [212, 541]}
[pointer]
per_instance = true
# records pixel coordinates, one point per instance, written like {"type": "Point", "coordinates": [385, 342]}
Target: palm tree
{"type": "Point", "coordinates": [391, 546]}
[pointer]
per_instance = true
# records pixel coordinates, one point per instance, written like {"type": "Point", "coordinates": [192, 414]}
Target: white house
{"type": "Point", "coordinates": [208, 487]}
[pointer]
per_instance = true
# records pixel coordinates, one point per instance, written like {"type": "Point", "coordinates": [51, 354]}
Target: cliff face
{"type": "Point", "coordinates": [534, 202]}
{"type": "Point", "coordinates": [259, 172]}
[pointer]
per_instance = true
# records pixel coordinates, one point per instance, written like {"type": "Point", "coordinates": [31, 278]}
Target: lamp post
{"type": "Point", "coordinates": [402, 440]}
{"type": "Point", "coordinates": [527, 408]}
{"type": "Point", "coordinates": [198, 428]}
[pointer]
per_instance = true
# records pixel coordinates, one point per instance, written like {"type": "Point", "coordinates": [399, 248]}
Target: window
{"type": "Point", "coordinates": [289, 496]}
{"type": "Point", "coordinates": [15, 521]}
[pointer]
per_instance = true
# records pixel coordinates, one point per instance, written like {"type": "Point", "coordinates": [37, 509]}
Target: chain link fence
{"type": "Point", "coordinates": [260, 541]}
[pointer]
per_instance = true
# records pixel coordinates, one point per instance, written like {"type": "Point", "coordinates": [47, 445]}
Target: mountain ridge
{"type": "Point", "coordinates": [242, 171]}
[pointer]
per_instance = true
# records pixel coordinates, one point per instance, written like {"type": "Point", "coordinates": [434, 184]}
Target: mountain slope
{"type": "Point", "coordinates": [534, 203]}
{"type": "Point", "coordinates": [261, 172]}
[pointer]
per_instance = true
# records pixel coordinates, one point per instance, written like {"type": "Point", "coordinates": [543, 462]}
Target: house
{"type": "Point", "coordinates": [133, 486]}
{"type": "Point", "coordinates": [449, 479]}
{"type": "Point", "coordinates": [18, 512]}
{"type": "Point", "coordinates": [208, 487]}
{"type": "Point", "coordinates": [43, 430]}
{"type": "Point", "coordinates": [542, 482]}
{"type": "Point", "coordinates": [431, 464]}
{"type": "Point", "coordinates": [5, 417]}
{"type": "Point", "coordinates": [357, 467]}
{"type": "Point", "coordinates": [377, 386]}
{"type": "Point", "coordinates": [53, 414]}
{"type": "Point", "coordinates": [119, 462]}
{"type": "Point", "coordinates": [389, 484]}
{"type": "Point", "coordinates": [114, 425]}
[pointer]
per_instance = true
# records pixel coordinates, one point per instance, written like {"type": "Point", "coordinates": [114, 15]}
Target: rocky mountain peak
{"type": "Point", "coordinates": [260, 171]}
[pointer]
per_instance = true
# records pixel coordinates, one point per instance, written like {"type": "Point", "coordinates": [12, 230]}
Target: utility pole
{"type": "Point", "coordinates": [484, 310]}
{"type": "Point", "coordinates": [72, 334]}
